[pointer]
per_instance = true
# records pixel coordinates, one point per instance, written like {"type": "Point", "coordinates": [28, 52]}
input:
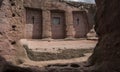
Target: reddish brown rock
{"type": "Point", "coordinates": [106, 54]}
{"type": "Point", "coordinates": [13, 24]}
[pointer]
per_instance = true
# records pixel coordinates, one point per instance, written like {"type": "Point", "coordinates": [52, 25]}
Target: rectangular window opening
{"type": "Point", "coordinates": [56, 20]}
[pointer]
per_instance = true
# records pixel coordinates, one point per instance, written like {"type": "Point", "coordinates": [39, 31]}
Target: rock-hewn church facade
{"type": "Point", "coordinates": [39, 19]}
{"type": "Point", "coordinates": [55, 19]}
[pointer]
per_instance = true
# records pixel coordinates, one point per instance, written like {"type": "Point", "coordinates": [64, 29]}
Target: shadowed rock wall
{"type": "Point", "coordinates": [106, 56]}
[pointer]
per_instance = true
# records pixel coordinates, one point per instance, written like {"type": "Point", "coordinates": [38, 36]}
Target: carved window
{"type": "Point", "coordinates": [33, 19]}
{"type": "Point", "coordinates": [56, 20]}
{"type": "Point", "coordinates": [33, 16]}
{"type": "Point", "coordinates": [77, 21]}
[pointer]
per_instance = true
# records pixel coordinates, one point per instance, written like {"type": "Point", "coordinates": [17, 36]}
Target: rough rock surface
{"type": "Point", "coordinates": [12, 22]}
{"type": "Point", "coordinates": [11, 31]}
{"type": "Point", "coordinates": [52, 5]}
{"type": "Point", "coordinates": [106, 56]}
{"type": "Point", "coordinates": [11, 28]}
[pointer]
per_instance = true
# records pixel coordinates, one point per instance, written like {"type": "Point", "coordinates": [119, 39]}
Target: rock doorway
{"type": "Point", "coordinates": [58, 24]}
{"type": "Point", "coordinates": [80, 24]}
{"type": "Point", "coordinates": [33, 23]}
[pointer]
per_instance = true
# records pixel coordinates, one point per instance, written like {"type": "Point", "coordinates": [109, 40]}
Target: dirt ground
{"type": "Point", "coordinates": [53, 46]}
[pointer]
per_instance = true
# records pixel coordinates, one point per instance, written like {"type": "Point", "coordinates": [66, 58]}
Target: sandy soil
{"type": "Point", "coordinates": [55, 45]}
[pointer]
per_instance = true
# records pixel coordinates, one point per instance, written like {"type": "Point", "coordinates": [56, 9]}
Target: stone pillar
{"type": "Point", "coordinates": [69, 25]}
{"type": "Point", "coordinates": [46, 24]}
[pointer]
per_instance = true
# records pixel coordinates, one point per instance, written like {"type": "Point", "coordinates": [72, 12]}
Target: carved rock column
{"type": "Point", "coordinates": [46, 24]}
{"type": "Point", "coordinates": [69, 25]}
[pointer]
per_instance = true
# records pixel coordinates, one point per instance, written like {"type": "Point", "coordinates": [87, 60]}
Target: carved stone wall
{"type": "Point", "coordinates": [69, 30]}
{"type": "Point", "coordinates": [13, 22]}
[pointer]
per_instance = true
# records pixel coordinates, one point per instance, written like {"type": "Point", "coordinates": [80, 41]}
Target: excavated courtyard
{"type": "Point", "coordinates": [48, 52]}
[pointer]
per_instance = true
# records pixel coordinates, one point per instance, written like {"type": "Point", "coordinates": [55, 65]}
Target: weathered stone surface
{"type": "Point", "coordinates": [106, 57]}
{"type": "Point", "coordinates": [53, 5]}
{"type": "Point", "coordinates": [46, 24]}
{"type": "Point", "coordinates": [106, 54]}
{"type": "Point", "coordinates": [13, 21]}
{"type": "Point", "coordinates": [12, 26]}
